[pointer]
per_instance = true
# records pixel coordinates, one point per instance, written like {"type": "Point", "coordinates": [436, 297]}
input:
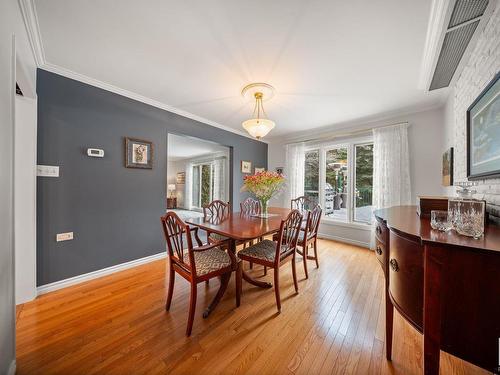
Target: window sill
{"type": "Point", "coordinates": [359, 226]}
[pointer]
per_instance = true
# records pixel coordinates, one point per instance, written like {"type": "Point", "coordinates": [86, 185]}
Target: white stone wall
{"type": "Point", "coordinates": [482, 66]}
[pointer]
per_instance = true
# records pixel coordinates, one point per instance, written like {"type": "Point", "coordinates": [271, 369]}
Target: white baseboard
{"type": "Point", "coordinates": [345, 240]}
{"type": "Point", "coordinates": [12, 368]}
{"type": "Point", "coordinates": [96, 274]}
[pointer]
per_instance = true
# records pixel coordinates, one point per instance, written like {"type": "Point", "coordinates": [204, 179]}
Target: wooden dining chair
{"type": "Point", "coordinates": [308, 236]}
{"type": "Point", "coordinates": [301, 203]}
{"type": "Point", "coordinates": [251, 206]}
{"type": "Point", "coordinates": [197, 264]}
{"type": "Point", "coordinates": [216, 210]}
{"type": "Point", "coordinates": [274, 254]}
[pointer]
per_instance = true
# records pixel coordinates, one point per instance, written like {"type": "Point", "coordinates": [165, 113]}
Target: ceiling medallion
{"type": "Point", "coordinates": [259, 125]}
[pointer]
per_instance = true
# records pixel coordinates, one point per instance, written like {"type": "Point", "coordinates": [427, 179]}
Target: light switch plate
{"type": "Point", "coordinates": [64, 236]}
{"type": "Point", "coordinates": [47, 171]}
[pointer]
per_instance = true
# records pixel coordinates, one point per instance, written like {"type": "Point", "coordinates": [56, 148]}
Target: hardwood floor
{"type": "Point", "coordinates": [118, 325]}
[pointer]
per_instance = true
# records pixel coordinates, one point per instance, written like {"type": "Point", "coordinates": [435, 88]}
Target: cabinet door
{"type": "Point", "coordinates": [406, 283]}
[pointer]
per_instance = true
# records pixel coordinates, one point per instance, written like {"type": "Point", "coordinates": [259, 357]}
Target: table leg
{"type": "Point", "coordinates": [224, 280]}
{"type": "Point", "coordinates": [260, 284]}
{"type": "Point", "coordinates": [246, 276]}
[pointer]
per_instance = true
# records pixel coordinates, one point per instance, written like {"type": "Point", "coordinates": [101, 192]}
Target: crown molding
{"type": "Point", "coordinates": [30, 18]}
{"type": "Point", "coordinates": [137, 97]}
{"type": "Point", "coordinates": [332, 130]}
{"type": "Point", "coordinates": [436, 29]}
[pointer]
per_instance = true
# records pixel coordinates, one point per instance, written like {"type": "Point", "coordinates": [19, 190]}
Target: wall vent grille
{"type": "Point", "coordinates": [464, 20]}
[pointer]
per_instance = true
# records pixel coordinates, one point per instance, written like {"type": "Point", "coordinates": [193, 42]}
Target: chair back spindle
{"type": "Point", "coordinates": [301, 203]}
{"type": "Point", "coordinates": [176, 231]}
{"type": "Point", "coordinates": [216, 210]}
{"type": "Point", "coordinates": [250, 206]}
{"type": "Point", "coordinates": [288, 234]}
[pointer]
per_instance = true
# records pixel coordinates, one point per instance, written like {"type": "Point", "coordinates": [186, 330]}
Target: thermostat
{"type": "Point", "coordinates": [95, 152]}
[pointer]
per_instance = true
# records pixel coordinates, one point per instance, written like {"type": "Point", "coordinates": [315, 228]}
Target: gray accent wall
{"type": "Point", "coordinates": [113, 211]}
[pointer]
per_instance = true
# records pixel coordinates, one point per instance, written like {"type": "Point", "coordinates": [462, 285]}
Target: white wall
{"type": "Point", "coordinates": [483, 64]}
{"type": "Point", "coordinates": [11, 24]}
{"type": "Point", "coordinates": [173, 167]}
{"type": "Point", "coordinates": [426, 143]}
{"type": "Point", "coordinates": [25, 198]}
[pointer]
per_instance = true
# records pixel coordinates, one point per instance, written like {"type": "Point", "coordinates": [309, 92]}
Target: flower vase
{"type": "Point", "coordinates": [263, 207]}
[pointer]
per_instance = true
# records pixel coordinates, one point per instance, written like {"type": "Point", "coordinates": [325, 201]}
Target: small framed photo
{"type": "Point", "coordinates": [279, 170]}
{"type": "Point", "coordinates": [447, 174]}
{"type": "Point", "coordinates": [181, 178]}
{"type": "Point", "coordinates": [246, 166]}
{"type": "Point", "coordinates": [259, 170]}
{"type": "Point", "coordinates": [138, 153]}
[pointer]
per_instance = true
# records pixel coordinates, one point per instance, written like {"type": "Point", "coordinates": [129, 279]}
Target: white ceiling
{"type": "Point", "coordinates": [180, 147]}
{"type": "Point", "coordinates": [331, 61]}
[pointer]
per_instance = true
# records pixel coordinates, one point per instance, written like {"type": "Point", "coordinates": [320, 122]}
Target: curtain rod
{"type": "Point", "coordinates": [333, 136]}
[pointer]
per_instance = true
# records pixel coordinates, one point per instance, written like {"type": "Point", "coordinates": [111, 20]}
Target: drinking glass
{"type": "Point", "coordinates": [467, 216]}
{"type": "Point", "coordinates": [440, 220]}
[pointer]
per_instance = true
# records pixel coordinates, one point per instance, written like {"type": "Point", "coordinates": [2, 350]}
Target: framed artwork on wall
{"type": "Point", "coordinates": [138, 153]}
{"type": "Point", "coordinates": [259, 170]}
{"type": "Point", "coordinates": [246, 166]}
{"type": "Point", "coordinates": [181, 178]}
{"type": "Point", "coordinates": [447, 171]}
{"type": "Point", "coordinates": [483, 133]}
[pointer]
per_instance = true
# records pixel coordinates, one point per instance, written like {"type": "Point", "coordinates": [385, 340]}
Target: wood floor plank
{"type": "Point", "coordinates": [117, 324]}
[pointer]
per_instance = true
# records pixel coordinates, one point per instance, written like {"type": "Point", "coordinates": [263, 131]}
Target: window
{"type": "Point", "coordinates": [336, 188]}
{"type": "Point", "coordinates": [340, 178]}
{"type": "Point", "coordinates": [202, 184]}
{"type": "Point", "coordinates": [311, 175]}
{"type": "Point", "coordinates": [364, 183]}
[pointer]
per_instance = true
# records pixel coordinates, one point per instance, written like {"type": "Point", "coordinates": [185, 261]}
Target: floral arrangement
{"type": "Point", "coordinates": [264, 186]}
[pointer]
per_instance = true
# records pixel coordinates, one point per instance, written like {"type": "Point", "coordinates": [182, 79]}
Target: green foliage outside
{"type": "Point", "coordinates": [336, 172]}
{"type": "Point", "coordinates": [205, 184]}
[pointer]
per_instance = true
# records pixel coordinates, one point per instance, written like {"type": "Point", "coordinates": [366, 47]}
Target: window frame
{"type": "Point", "coordinates": [350, 144]}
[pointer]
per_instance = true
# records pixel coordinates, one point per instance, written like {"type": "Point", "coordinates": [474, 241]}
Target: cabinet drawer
{"type": "Point", "coordinates": [406, 282]}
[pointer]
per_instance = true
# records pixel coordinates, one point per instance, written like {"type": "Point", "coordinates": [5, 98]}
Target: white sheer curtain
{"type": "Point", "coordinates": [219, 179]}
{"type": "Point", "coordinates": [391, 167]}
{"type": "Point", "coordinates": [188, 187]}
{"type": "Point", "coordinates": [294, 171]}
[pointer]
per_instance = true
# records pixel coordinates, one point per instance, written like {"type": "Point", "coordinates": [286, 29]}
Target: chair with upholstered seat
{"type": "Point", "coordinates": [301, 203]}
{"type": "Point", "coordinates": [274, 254]}
{"type": "Point", "coordinates": [308, 236]}
{"type": "Point", "coordinates": [216, 211]}
{"type": "Point", "coordinates": [195, 264]}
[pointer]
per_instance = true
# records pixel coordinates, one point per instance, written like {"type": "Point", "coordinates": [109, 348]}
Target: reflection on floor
{"type": "Point", "coordinates": [118, 325]}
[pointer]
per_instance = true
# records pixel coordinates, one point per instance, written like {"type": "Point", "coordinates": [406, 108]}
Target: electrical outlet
{"type": "Point", "coordinates": [47, 171]}
{"type": "Point", "coordinates": [64, 236]}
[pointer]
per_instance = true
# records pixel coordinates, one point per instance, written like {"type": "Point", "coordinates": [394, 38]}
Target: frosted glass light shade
{"type": "Point", "coordinates": [258, 127]}
{"type": "Point", "coordinates": [171, 187]}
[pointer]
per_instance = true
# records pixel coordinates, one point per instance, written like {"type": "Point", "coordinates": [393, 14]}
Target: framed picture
{"type": "Point", "coordinates": [447, 175]}
{"type": "Point", "coordinates": [138, 153]}
{"type": "Point", "coordinates": [246, 166]}
{"type": "Point", "coordinates": [279, 170]}
{"type": "Point", "coordinates": [483, 133]}
{"type": "Point", "coordinates": [181, 178]}
{"type": "Point", "coordinates": [259, 170]}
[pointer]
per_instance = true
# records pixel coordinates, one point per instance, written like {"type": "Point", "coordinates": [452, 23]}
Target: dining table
{"type": "Point", "coordinates": [239, 227]}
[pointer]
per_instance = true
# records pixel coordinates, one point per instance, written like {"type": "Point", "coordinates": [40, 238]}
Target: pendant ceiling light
{"type": "Point", "coordinates": [259, 125]}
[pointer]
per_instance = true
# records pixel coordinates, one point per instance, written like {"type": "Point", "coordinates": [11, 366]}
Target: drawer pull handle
{"type": "Point", "coordinates": [378, 250]}
{"type": "Point", "coordinates": [394, 265]}
{"type": "Point", "coordinates": [379, 230]}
